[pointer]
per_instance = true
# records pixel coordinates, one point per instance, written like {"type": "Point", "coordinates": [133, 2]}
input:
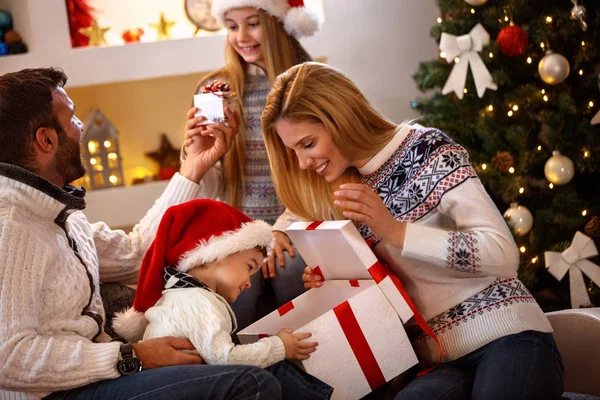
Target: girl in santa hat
{"type": "Point", "coordinates": [417, 200]}
{"type": "Point", "coordinates": [202, 259]}
{"type": "Point", "coordinates": [262, 42]}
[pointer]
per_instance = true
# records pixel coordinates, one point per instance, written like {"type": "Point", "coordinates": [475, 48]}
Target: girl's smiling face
{"type": "Point", "coordinates": [245, 34]}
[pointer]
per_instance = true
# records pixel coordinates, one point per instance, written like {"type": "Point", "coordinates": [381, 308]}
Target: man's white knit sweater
{"type": "Point", "coordinates": [459, 261]}
{"type": "Point", "coordinates": [51, 262]}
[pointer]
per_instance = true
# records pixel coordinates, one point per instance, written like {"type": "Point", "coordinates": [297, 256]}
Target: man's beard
{"type": "Point", "coordinates": [67, 161]}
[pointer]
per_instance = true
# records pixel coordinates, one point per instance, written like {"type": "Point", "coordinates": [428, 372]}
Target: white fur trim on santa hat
{"type": "Point", "coordinates": [130, 325]}
{"type": "Point", "coordinates": [302, 21]}
{"type": "Point", "coordinates": [251, 234]}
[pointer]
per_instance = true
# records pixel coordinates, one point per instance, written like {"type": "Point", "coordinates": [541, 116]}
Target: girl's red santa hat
{"type": "Point", "coordinates": [189, 235]}
{"type": "Point", "coordinates": [298, 20]}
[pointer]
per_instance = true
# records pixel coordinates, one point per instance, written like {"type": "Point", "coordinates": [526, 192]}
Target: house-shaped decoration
{"type": "Point", "coordinates": [101, 153]}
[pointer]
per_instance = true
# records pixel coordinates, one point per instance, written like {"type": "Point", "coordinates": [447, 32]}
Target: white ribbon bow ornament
{"type": "Point", "coordinates": [573, 260]}
{"type": "Point", "coordinates": [466, 47]}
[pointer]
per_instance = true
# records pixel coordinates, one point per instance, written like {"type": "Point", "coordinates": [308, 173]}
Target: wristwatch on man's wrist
{"type": "Point", "coordinates": [128, 363]}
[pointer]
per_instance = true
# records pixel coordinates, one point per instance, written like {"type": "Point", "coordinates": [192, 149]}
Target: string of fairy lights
{"type": "Point", "coordinates": [512, 109]}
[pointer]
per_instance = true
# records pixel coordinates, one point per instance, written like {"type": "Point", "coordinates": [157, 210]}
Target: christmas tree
{"type": "Point", "coordinates": [541, 95]}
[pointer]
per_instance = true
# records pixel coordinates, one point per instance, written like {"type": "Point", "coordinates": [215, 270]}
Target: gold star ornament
{"type": "Point", "coordinates": [162, 27]}
{"type": "Point", "coordinates": [95, 33]}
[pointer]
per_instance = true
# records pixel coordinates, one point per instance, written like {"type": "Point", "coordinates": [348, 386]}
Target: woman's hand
{"type": "Point", "coordinates": [282, 243]}
{"type": "Point", "coordinates": [310, 279]}
{"type": "Point", "coordinates": [205, 144]}
{"type": "Point", "coordinates": [362, 204]}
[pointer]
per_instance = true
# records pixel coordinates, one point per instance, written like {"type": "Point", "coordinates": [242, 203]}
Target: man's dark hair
{"type": "Point", "coordinates": [26, 106]}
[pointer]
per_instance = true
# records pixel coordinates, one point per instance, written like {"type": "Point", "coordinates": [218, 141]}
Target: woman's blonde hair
{"type": "Point", "coordinates": [281, 51]}
{"type": "Point", "coordinates": [318, 93]}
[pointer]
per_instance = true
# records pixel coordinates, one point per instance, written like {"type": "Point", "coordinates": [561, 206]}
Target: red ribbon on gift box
{"type": "Point", "coordinates": [286, 308]}
{"type": "Point", "coordinates": [359, 345]}
{"type": "Point", "coordinates": [379, 272]}
{"type": "Point", "coordinates": [313, 225]}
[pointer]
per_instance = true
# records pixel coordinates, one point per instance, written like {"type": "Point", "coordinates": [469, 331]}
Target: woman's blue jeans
{"type": "Point", "coordinates": [211, 382]}
{"type": "Point", "coordinates": [524, 366]}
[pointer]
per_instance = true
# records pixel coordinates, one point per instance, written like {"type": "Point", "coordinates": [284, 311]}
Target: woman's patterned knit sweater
{"type": "Point", "coordinates": [459, 261]}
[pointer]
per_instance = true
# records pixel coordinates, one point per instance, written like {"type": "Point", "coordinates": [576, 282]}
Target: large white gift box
{"type": "Point", "coordinates": [362, 341]}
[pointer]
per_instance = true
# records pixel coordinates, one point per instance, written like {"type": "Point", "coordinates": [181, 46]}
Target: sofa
{"type": "Point", "coordinates": [577, 334]}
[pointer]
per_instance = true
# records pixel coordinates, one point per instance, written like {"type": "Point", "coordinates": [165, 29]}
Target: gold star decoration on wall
{"type": "Point", "coordinates": [162, 27]}
{"type": "Point", "coordinates": [95, 33]}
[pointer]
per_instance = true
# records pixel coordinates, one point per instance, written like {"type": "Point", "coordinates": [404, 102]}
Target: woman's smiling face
{"type": "Point", "coordinates": [314, 147]}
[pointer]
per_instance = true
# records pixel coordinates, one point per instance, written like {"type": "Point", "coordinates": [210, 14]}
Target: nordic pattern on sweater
{"type": "Point", "coordinates": [501, 293]}
{"type": "Point", "coordinates": [259, 199]}
{"type": "Point", "coordinates": [412, 182]}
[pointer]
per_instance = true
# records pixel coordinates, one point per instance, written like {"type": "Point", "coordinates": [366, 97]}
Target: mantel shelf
{"type": "Point", "coordinates": [44, 28]}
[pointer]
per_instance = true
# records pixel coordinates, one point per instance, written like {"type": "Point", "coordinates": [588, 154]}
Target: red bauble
{"type": "Point", "coordinates": [512, 40]}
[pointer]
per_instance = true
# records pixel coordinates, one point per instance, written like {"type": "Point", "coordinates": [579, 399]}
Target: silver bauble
{"type": "Point", "coordinates": [559, 169]}
{"type": "Point", "coordinates": [553, 68]}
{"type": "Point", "coordinates": [519, 219]}
{"type": "Point", "coordinates": [476, 2]}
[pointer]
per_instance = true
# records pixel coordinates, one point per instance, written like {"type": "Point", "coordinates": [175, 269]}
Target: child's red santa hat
{"type": "Point", "coordinates": [298, 20]}
{"type": "Point", "coordinates": [189, 235]}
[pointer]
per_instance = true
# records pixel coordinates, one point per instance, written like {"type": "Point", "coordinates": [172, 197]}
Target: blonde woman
{"type": "Point", "coordinates": [416, 197]}
{"type": "Point", "coordinates": [261, 44]}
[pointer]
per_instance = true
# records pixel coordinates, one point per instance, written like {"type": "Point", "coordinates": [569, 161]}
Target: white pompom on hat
{"type": "Point", "coordinates": [298, 20]}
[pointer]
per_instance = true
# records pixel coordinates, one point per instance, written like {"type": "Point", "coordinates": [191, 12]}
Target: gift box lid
{"type": "Point", "coordinates": [335, 247]}
{"type": "Point", "coordinates": [336, 250]}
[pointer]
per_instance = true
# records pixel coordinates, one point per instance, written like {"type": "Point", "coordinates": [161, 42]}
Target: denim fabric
{"type": "Point", "coordinates": [265, 296]}
{"type": "Point", "coordinates": [297, 384]}
{"type": "Point", "coordinates": [526, 365]}
{"type": "Point", "coordinates": [279, 381]}
{"type": "Point", "coordinates": [214, 382]}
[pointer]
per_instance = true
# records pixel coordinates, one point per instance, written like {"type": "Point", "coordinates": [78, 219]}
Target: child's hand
{"type": "Point", "coordinates": [282, 242]}
{"type": "Point", "coordinates": [295, 347]}
{"type": "Point", "coordinates": [310, 279]}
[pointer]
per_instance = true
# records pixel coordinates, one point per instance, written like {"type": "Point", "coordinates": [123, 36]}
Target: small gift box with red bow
{"type": "Point", "coordinates": [212, 100]}
{"type": "Point", "coordinates": [356, 317]}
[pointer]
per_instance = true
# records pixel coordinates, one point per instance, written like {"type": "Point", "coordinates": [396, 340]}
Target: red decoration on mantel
{"type": "Point", "coordinates": [80, 16]}
{"type": "Point", "coordinates": [132, 35]}
{"type": "Point", "coordinates": [512, 40]}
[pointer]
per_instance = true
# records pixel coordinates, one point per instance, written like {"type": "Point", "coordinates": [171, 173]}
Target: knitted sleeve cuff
{"type": "Point", "coordinates": [425, 242]}
{"type": "Point", "coordinates": [100, 360]}
{"type": "Point", "coordinates": [277, 349]}
{"type": "Point", "coordinates": [180, 190]}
